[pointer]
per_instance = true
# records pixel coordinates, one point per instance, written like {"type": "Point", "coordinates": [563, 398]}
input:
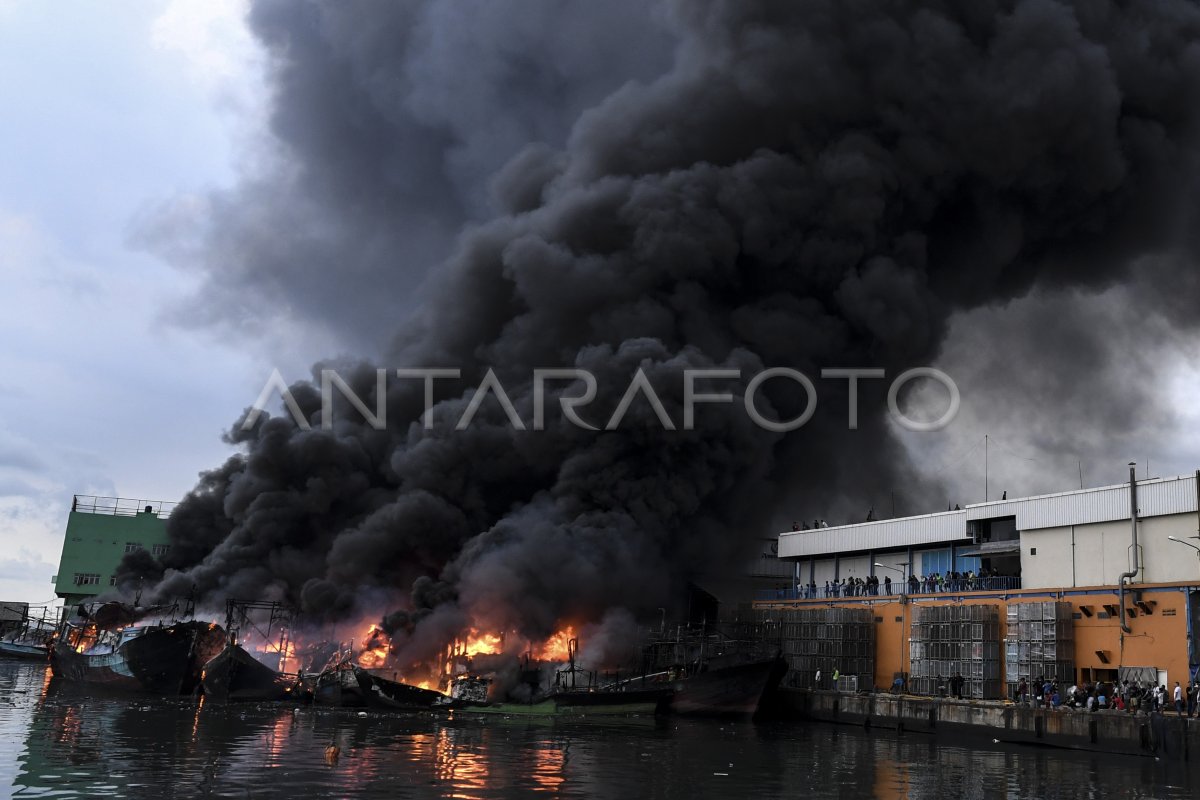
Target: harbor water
{"type": "Point", "coordinates": [60, 741]}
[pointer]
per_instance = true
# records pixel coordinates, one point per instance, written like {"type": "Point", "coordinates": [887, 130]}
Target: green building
{"type": "Point", "coordinates": [100, 531]}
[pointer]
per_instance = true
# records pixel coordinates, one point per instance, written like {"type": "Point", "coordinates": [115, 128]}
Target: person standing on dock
{"type": "Point", "coordinates": [1191, 698]}
{"type": "Point", "coordinates": [817, 680]}
{"type": "Point", "coordinates": [1178, 697]}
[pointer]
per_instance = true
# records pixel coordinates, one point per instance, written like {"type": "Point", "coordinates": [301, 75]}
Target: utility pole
{"type": "Point", "coordinates": [985, 468]}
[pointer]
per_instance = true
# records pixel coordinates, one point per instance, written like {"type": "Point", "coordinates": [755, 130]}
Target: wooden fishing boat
{"type": "Point", "coordinates": [30, 639]}
{"type": "Point", "coordinates": [235, 675]}
{"type": "Point", "coordinates": [727, 689]}
{"type": "Point", "coordinates": [163, 659]}
{"type": "Point", "coordinates": [575, 693]}
{"type": "Point", "coordinates": [24, 649]}
{"type": "Point", "coordinates": [582, 704]}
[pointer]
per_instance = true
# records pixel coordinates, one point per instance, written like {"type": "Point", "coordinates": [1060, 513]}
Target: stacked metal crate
{"type": "Point", "coordinates": [825, 639]}
{"type": "Point", "coordinates": [1040, 644]}
{"type": "Point", "coordinates": [954, 640]}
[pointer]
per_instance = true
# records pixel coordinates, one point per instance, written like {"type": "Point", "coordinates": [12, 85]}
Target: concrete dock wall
{"type": "Point", "coordinates": [1162, 735]}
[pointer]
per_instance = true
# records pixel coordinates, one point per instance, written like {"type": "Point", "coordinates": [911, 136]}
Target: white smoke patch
{"type": "Point", "coordinates": [1067, 387]}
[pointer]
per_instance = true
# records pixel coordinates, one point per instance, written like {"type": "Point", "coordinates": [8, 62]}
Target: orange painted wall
{"type": "Point", "coordinates": [1158, 639]}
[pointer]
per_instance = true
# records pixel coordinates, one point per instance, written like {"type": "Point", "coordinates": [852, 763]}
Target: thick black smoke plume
{"type": "Point", "coordinates": [810, 184]}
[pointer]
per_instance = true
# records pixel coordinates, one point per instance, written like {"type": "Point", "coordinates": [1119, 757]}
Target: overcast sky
{"type": "Point", "coordinates": [110, 109]}
{"type": "Point", "coordinates": [122, 117]}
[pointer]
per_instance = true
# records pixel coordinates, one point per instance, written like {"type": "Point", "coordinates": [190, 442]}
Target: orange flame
{"type": "Point", "coordinates": [376, 648]}
{"type": "Point", "coordinates": [286, 652]}
{"type": "Point", "coordinates": [557, 647]}
{"type": "Point", "coordinates": [480, 644]}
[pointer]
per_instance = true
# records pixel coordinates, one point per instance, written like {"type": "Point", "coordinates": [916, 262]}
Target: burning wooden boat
{"type": "Point", "coordinates": [163, 658]}
{"type": "Point", "coordinates": [575, 693]}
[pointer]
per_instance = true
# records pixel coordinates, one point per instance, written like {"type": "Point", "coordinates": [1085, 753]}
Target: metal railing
{"type": "Point", "coordinates": [120, 506]}
{"type": "Point", "coordinates": [993, 584]}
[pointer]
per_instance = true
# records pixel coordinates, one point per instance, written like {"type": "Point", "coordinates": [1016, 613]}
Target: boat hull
{"type": "Point", "coordinates": [165, 660]}
{"type": "Point", "coordinates": [233, 676]}
{"type": "Point", "coordinates": [383, 693]}
{"type": "Point", "coordinates": [548, 708]}
{"type": "Point", "coordinates": [32, 652]}
{"type": "Point", "coordinates": [732, 691]}
{"type": "Point", "coordinates": [339, 687]}
{"type": "Point", "coordinates": [354, 687]}
{"type": "Point", "coordinates": [584, 704]}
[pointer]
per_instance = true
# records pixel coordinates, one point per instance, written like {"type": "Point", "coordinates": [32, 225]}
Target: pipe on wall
{"type": "Point", "coordinates": [1134, 568]}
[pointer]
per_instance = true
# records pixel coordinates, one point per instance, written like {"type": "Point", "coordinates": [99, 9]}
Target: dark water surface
{"type": "Point", "coordinates": [57, 741]}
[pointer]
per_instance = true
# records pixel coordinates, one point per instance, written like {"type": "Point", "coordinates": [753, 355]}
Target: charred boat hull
{"type": "Point", "coordinates": [354, 687]}
{"type": "Point", "coordinates": [384, 693]}
{"type": "Point", "coordinates": [736, 690]}
{"type": "Point", "coordinates": [233, 675]}
{"type": "Point", "coordinates": [166, 660]}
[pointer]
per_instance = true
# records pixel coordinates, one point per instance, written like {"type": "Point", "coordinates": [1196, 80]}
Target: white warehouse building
{"type": "Point", "coordinates": [1069, 539]}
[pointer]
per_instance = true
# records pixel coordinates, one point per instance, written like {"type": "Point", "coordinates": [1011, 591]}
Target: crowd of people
{"type": "Point", "coordinates": [872, 586]}
{"type": "Point", "coordinates": [1126, 696]}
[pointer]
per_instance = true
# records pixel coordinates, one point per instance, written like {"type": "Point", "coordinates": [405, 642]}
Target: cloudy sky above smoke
{"type": "Point", "coordinates": [196, 200]}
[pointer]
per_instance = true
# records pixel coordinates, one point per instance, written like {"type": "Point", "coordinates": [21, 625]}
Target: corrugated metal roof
{"type": "Point", "coordinates": [1156, 497]}
{"type": "Point", "coordinates": [885, 534]}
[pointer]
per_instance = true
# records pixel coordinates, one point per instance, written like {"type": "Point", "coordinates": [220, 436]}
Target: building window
{"type": "Point", "coordinates": [87, 579]}
{"type": "Point", "coordinates": [132, 546]}
{"type": "Point", "coordinates": [935, 561]}
{"type": "Point", "coordinates": [160, 549]}
{"type": "Point", "coordinates": [112, 580]}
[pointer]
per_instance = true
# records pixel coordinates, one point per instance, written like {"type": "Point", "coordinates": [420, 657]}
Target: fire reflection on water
{"type": "Point", "coordinates": [196, 718]}
{"type": "Point", "coordinates": [463, 768]}
{"type": "Point", "coordinates": [69, 728]}
{"type": "Point", "coordinates": [549, 769]}
{"type": "Point", "coordinates": [274, 741]}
